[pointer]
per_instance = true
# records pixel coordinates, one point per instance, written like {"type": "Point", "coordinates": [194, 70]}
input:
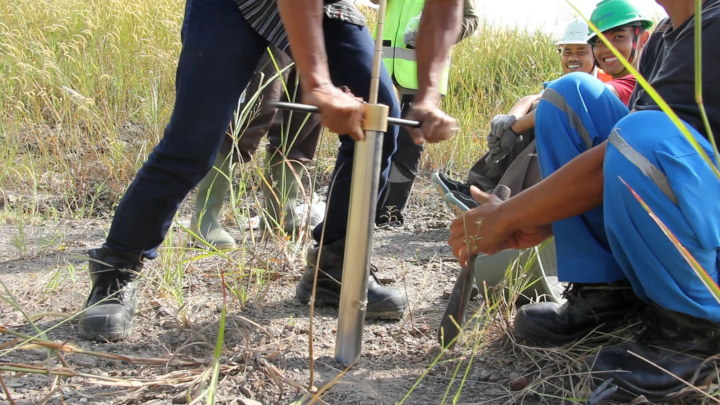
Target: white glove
{"type": "Point", "coordinates": [410, 39]}
{"type": "Point", "coordinates": [502, 138]}
{"type": "Point", "coordinates": [411, 30]}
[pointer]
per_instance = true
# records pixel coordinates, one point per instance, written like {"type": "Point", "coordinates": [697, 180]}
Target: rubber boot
{"type": "Point", "coordinates": [111, 304]}
{"type": "Point", "coordinates": [395, 196]}
{"type": "Point", "coordinates": [211, 193]}
{"type": "Point", "coordinates": [281, 198]}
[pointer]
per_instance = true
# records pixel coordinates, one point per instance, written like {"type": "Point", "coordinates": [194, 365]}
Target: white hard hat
{"type": "Point", "coordinates": [576, 32]}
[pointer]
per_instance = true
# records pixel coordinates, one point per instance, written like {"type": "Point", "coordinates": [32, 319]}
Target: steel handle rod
{"type": "Point", "coordinates": [283, 105]}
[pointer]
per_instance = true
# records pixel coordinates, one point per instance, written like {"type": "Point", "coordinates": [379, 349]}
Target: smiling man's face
{"type": "Point", "coordinates": [622, 38]}
{"type": "Point", "coordinates": [576, 58]}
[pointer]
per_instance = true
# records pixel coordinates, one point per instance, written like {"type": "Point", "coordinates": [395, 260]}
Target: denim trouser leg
{"type": "Point", "coordinates": [220, 52]}
{"type": "Point", "coordinates": [350, 50]}
{"type": "Point", "coordinates": [576, 113]}
{"type": "Point", "coordinates": [403, 171]}
{"type": "Point", "coordinates": [649, 153]}
{"type": "Point", "coordinates": [264, 115]}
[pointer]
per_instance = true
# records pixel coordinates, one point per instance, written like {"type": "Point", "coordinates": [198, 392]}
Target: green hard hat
{"type": "Point", "coordinates": [609, 14]}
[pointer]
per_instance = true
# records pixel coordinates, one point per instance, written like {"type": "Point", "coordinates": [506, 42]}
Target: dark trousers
{"type": "Point", "coordinates": [403, 171]}
{"type": "Point", "coordinates": [292, 134]}
{"type": "Point", "coordinates": [350, 53]}
{"type": "Point", "coordinates": [219, 55]}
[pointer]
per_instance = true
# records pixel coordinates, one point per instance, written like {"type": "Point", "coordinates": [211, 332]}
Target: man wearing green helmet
{"type": "Point", "coordinates": [605, 166]}
{"type": "Point", "coordinates": [625, 27]}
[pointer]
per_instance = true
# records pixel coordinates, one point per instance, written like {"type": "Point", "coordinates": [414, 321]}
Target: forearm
{"type": "Point", "coordinates": [438, 31]}
{"type": "Point", "coordinates": [303, 22]}
{"type": "Point", "coordinates": [525, 117]}
{"type": "Point", "coordinates": [340, 112]}
{"type": "Point", "coordinates": [470, 20]}
{"type": "Point", "coordinates": [524, 123]}
{"type": "Point", "coordinates": [574, 189]}
{"type": "Point", "coordinates": [522, 106]}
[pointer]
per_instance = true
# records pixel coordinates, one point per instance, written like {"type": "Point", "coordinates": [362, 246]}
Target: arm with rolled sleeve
{"type": "Point", "coordinates": [470, 20]}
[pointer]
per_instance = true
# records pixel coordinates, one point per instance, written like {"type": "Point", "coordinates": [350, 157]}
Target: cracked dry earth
{"type": "Point", "coordinates": [266, 351]}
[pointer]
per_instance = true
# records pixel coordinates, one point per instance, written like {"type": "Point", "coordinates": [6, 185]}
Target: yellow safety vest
{"type": "Point", "coordinates": [401, 61]}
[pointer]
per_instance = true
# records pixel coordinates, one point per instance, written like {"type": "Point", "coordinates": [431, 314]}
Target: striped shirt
{"type": "Point", "coordinates": [264, 17]}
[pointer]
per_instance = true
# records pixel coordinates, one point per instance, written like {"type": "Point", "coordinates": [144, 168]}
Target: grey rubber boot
{"type": "Point", "coordinates": [281, 198]}
{"type": "Point", "coordinates": [211, 193]}
{"type": "Point", "coordinates": [111, 304]}
{"type": "Point", "coordinates": [383, 302]}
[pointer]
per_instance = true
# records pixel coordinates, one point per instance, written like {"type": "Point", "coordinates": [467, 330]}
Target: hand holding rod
{"type": "Point", "coordinates": [313, 109]}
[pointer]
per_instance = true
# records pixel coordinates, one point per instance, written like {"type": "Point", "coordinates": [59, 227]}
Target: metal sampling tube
{"type": "Point", "coordinates": [361, 217]}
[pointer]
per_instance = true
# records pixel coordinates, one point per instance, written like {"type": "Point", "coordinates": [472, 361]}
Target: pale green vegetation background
{"type": "Point", "coordinates": [87, 86]}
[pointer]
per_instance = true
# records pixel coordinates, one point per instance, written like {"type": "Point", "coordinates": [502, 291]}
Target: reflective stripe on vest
{"type": "Point", "coordinates": [399, 53]}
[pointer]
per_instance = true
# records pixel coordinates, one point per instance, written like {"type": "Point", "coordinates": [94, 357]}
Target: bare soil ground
{"type": "Point", "coordinates": [266, 352]}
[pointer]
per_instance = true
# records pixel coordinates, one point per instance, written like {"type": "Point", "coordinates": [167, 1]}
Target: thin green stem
{"type": "Point", "coordinates": [641, 81]}
{"type": "Point", "coordinates": [699, 77]}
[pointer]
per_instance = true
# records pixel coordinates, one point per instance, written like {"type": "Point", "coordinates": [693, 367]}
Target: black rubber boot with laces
{"type": "Point", "coordinates": [672, 347]}
{"type": "Point", "coordinates": [110, 307]}
{"type": "Point", "coordinates": [383, 302]}
{"type": "Point", "coordinates": [589, 307]}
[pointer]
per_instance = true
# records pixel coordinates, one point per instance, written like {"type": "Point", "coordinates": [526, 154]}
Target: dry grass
{"type": "Point", "coordinates": [85, 89]}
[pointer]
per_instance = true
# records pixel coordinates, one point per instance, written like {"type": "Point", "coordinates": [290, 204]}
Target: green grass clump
{"type": "Point", "coordinates": [86, 88]}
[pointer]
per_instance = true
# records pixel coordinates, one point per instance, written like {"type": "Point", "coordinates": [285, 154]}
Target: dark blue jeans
{"type": "Point", "coordinates": [220, 52]}
{"type": "Point", "coordinates": [350, 53]}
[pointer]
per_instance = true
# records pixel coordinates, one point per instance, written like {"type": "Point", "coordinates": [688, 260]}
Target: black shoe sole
{"type": "Point", "coordinates": [440, 185]}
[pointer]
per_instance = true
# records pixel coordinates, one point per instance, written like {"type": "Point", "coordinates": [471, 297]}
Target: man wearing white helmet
{"type": "Point", "coordinates": [575, 53]}
{"type": "Point", "coordinates": [624, 26]}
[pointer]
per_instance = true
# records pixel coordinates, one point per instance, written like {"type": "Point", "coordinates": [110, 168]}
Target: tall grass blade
{"type": "Point", "coordinates": [212, 389]}
{"type": "Point", "coordinates": [698, 77]}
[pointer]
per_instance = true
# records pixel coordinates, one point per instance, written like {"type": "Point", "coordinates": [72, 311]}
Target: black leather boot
{"type": "Point", "coordinates": [672, 346]}
{"type": "Point", "coordinates": [588, 307]}
{"type": "Point", "coordinates": [383, 302]}
{"type": "Point", "coordinates": [110, 307]}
